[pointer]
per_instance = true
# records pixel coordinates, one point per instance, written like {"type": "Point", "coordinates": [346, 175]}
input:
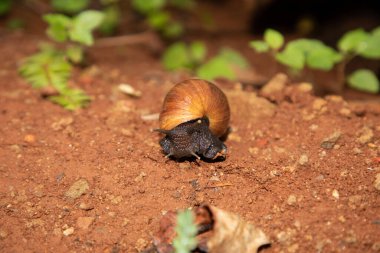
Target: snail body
{"type": "Point", "coordinates": [195, 114]}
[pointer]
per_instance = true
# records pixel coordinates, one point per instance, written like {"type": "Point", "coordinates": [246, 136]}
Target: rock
{"type": "Point", "coordinates": [304, 159]}
{"type": "Point", "coordinates": [140, 177]}
{"type": "Point", "coordinates": [39, 191]}
{"type": "Point", "coordinates": [276, 84]}
{"type": "Point", "coordinates": [377, 182]}
{"type": "Point", "coordinates": [129, 90]}
{"type": "Point", "coordinates": [77, 189]}
{"type": "Point", "coordinates": [234, 137]}
{"type": "Point", "coordinates": [365, 135]}
{"type": "Point", "coordinates": [313, 127]}
{"type": "Point", "coordinates": [141, 244]}
{"type": "Point", "coordinates": [329, 142]}
{"type": "Point", "coordinates": [335, 194]}
{"type": "Point", "coordinates": [345, 112]}
{"type": "Point", "coordinates": [184, 166]}
{"type": "Point", "coordinates": [376, 247]}
{"type": "Point", "coordinates": [3, 234]}
{"type": "Point", "coordinates": [292, 200]}
{"type": "Point", "coordinates": [357, 151]}
{"type": "Point", "coordinates": [30, 138]}
{"type": "Point", "coordinates": [62, 123]}
{"type": "Point", "coordinates": [85, 222]}
{"type": "Point", "coordinates": [85, 207]}
{"type": "Point", "coordinates": [68, 231]}
{"type": "Point", "coordinates": [305, 87]}
{"type": "Point", "coordinates": [117, 200]}
{"type": "Point", "coordinates": [319, 105]}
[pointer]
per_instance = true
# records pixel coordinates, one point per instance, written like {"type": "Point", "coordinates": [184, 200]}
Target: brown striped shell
{"type": "Point", "coordinates": [192, 99]}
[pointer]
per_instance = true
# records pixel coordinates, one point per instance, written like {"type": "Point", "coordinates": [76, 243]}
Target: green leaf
{"type": "Point", "coordinates": [83, 25]}
{"type": "Point", "coordinates": [158, 20]}
{"type": "Point", "coordinates": [292, 57]}
{"type": "Point", "coordinates": [5, 6]}
{"type": "Point", "coordinates": [173, 30]}
{"type": "Point", "coordinates": [198, 51]}
{"type": "Point", "coordinates": [75, 54]}
{"type": "Point", "coordinates": [71, 99]}
{"type": "Point", "coordinates": [233, 57]}
{"type": "Point", "coordinates": [186, 230]}
{"type": "Point", "coordinates": [111, 20]}
{"type": "Point", "coordinates": [259, 45]}
{"type": "Point", "coordinates": [46, 68]}
{"type": "Point", "coordinates": [353, 41]}
{"type": "Point", "coordinates": [176, 57]}
{"type": "Point", "coordinates": [322, 57]}
{"type": "Point", "coordinates": [58, 25]}
{"type": "Point", "coordinates": [148, 6]}
{"type": "Point", "coordinates": [70, 6]}
{"type": "Point", "coordinates": [273, 38]}
{"type": "Point", "coordinates": [376, 31]}
{"type": "Point", "coordinates": [371, 47]}
{"type": "Point", "coordinates": [364, 80]}
{"type": "Point", "coordinates": [216, 67]}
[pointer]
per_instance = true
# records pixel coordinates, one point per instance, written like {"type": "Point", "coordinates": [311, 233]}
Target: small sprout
{"type": "Point", "coordinates": [83, 25]}
{"type": "Point", "coordinates": [274, 39]}
{"type": "Point", "coordinates": [364, 80]}
{"type": "Point", "coordinates": [353, 41]}
{"type": "Point", "coordinates": [186, 229]}
{"type": "Point", "coordinates": [75, 53]}
{"type": "Point", "coordinates": [71, 99]}
{"type": "Point", "coordinates": [259, 45]}
{"type": "Point", "coordinates": [216, 67]}
{"type": "Point", "coordinates": [145, 7]}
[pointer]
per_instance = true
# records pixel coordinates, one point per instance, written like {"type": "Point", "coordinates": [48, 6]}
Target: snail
{"type": "Point", "coordinates": [194, 116]}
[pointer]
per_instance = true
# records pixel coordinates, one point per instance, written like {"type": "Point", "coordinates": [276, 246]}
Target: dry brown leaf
{"type": "Point", "coordinates": [218, 232]}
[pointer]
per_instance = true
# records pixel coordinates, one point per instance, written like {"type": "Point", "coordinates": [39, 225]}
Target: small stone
{"type": "Point", "coordinates": [345, 112]}
{"type": "Point", "coordinates": [293, 248]}
{"type": "Point", "coordinates": [129, 90]}
{"type": "Point", "coordinates": [357, 151]}
{"type": "Point", "coordinates": [276, 84]}
{"type": "Point", "coordinates": [117, 200]}
{"type": "Point", "coordinates": [62, 123]}
{"type": "Point", "coordinates": [85, 207]}
{"type": "Point", "coordinates": [184, 166]}
{"type": "Point", "coordinates": [85, 222]}
{"type": "Point", "coordinates": [3, 234]}
{"type": "Point", "coordinates": [376, 247]}
{"type": "Point", "coordinates": [16, 148]}
{"type": "Point", "coordinates": [305, 87]}
{"type": "Point", "coordinates": [319, 104]}
{"type": "Point", "coordinates": [365, 135]}
{"type": "Point", "coordinates": [30, 138]}
{"type": "Point", "coordinates": [342, 219]}
{"type": "Point", "coordinates": [292, 199]}
{"type": "Point", "coordinates": [77, 189]}
{"type": "Point", "coordinates": [125, 222]}
{"type": "Point", "coordinates": [254, 150]}
{"type": "Point", "coordinates": [68, 231]}
{"type": "Point", "coordinates": [39, 191]}
{"type": "Point", "coordinates": [313, 127]}
{"type": "Point", "coordinates": [111, 214]}
{"type": "Point", "coordinates": [335, 194]}
{"type": "Point", "coordinates": [140, 177]}
{"type": "Point", "coordinates": [141, 244]}
{"type": "Point", "coordinates": [304, 159]}
{"type": "Point", "coordinates": [234, 137]}
{"type": "Point", "coordinates": [376, 184]}
{"type": "Point", "coordinates": [329, 142]}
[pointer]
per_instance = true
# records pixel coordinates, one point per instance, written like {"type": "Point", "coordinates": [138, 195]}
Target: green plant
{"type": "Point", "coordinates": [159, 18]}
{"type": "Point", "coordinates": [185, 240]}
{"type": "Point", "coordinates": [69, 6]}
{"type": "Point", "coordinates": [5, 6]}
{"type": "Point", "coordinates": [301, 53]}
{"type": "Point", "coordinates": [51, 67]}
{"type": "Point", "coordinates": [193, 57]}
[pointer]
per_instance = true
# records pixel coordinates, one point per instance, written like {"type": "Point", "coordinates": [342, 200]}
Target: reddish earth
{"type": "Point", "coordinates": [301, 168]}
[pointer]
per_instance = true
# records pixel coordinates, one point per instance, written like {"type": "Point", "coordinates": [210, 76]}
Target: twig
{"type": "Point", "coordinates": [146, 38]}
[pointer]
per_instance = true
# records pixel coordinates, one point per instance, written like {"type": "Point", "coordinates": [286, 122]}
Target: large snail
{"type": "Point", "coordinates": [195, 114]}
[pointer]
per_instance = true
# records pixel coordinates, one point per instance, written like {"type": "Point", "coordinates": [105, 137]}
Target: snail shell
{"type": "Point", "coordinates": [193, 99]}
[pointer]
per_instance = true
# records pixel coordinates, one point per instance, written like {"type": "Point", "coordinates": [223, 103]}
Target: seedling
{"type": "Point", "coordinates": [301, 53]}
{"type": "Point", "coordinates": [159, 18]}
{"type": "Point", "coordinates": [51, 67]}
{"type": "Point", "coordinates": [192, 57]}
{"type": "Point", "coordinates": [185, 240]}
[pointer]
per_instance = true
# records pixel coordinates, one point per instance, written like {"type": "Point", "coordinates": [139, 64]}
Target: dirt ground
{"type": "Point", "coordinates": [304, 169]}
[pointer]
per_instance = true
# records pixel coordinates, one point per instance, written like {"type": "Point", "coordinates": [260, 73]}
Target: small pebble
{"type": "Point", "coordinates": [30, 138]}
{"type": "Point", "coordinates": [68, 231]}
{"type": "Point", "coordinates": [77, 189]}
{"type": "Point", "coordinates": [85, 222]}
{"type": "Point", "coordinates": [376, 184]}
{"type": "Point", "coordinates": [335, 194]}
{"type": "Point", "coordinates": [292, 199]}
{"type": "Point", "coordinates": [304, 159]}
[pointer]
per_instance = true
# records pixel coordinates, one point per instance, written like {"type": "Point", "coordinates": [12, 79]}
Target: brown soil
{"type": "Point", "coordinates": [306, 193]}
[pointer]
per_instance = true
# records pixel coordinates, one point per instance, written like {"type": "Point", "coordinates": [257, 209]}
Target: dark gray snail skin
{"type": "Point", "coordinates": [192, 138]}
